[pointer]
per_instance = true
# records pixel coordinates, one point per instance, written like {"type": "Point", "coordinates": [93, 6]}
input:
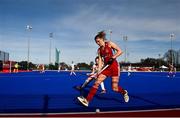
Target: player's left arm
{"type": "Point", "coordinates": [117, 49]}
{"type": "Point", "coordinates": [100, 61]}
{"type": "Point", "coordinates": [93, 70]}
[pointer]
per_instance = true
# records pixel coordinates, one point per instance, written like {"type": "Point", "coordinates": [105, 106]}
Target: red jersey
{"type": "Point", "coordinates": [106, 53]}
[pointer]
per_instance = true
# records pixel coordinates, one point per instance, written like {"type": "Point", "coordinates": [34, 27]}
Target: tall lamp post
{"type": "Point", "coordinates": [50, 41]}
{"type": "Point", "coordinates": [29, 29]}
{"type": "Point", "coordinates": [125, 38]}
{"type": "Point", "coordinates": [110, 34]}
{"type": "Point", "coordinates": [159, 59]}
{"type": "Point", "coordinates": [172, 36]}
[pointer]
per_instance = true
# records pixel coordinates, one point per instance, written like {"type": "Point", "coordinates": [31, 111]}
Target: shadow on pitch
{"type": "Point", "coordinates": [84, 92]}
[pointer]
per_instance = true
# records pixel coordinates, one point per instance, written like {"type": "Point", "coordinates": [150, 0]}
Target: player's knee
{"type": "Point", "coordinates": [115, 86]}
{"type": "Point", "coordinates": [115, 89]}
{"type": "Point", "coordinates": [96, 84]}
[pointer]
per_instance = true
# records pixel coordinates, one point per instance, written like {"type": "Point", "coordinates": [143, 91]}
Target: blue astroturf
{"type": "Point", "coordinates": [52, 91]}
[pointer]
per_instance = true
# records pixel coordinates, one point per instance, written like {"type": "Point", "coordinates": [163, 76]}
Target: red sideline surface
{"type": "Point", "coordinates": [138, 113]}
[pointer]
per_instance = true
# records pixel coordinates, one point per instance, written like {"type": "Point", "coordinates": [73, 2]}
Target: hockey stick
{"type": "Point", "coordinates": [98, 73]}
{"type": "Point", "coordinates": [94, 76]}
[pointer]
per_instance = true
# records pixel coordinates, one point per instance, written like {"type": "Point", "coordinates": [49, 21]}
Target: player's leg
{"type": "Point", "coordinates": [103, 88]}
{"type": "Point", "coordinates": [92, 92]}
{"type": "Point", "coordinates": [86, 82]}
{"type": "Point", "coordinates": [74, 73]}
{"type": "Point", "coordinates": [94, 88]}
{"type": "Point", "coordinates": [119, 89]}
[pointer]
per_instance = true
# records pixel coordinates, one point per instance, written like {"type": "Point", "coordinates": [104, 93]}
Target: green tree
{"type": "Point", "coordinates": [83, 66]}
{"type": "Point", "coordinates": [64, 66]}
{"type": "Point", "coordinates": [171, 56]}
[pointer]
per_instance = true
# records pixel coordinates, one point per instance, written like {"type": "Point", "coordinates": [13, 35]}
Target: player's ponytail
{"type": "Point", "coordinates": [101, 35]}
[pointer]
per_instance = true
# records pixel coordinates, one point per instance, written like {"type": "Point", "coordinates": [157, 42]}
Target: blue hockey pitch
{"type": "Point", "coordinates": [52, 91]}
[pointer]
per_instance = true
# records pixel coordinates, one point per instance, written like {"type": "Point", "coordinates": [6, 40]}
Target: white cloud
{"type": "Point", "coordinates": [88, 20]}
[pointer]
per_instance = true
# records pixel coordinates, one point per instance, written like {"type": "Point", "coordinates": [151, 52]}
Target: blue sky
{"type": "Point", "coordinates": [147, 23]}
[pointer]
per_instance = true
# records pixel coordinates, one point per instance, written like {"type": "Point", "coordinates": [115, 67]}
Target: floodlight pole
{"type": "Point", "coordinates": [172, 36]}
{"type": "Point", "coordinates": [110, 34]}
{"type": "Point", "coordinates": [159, 59]}
{"type": "Point", "coordinates": [29, 29]}
{"type": "Point", "coordinates": [125, 38]}
{"type": "Point", "coordinates": [50, 41]}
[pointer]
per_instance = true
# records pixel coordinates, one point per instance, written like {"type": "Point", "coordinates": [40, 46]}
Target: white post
{"type": "Point", "coordinates": [10, 64]}
{"type": "Point", "coordinates": [28, 28]}
{"type": "Point", "coordinates": [125, 38]}
{"type": "Point", "coordinates": [172, 36]}
{"type": "Point", "coordinates": [50, 41]}
{"type": "Point", "coordinates": [110, 34]}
